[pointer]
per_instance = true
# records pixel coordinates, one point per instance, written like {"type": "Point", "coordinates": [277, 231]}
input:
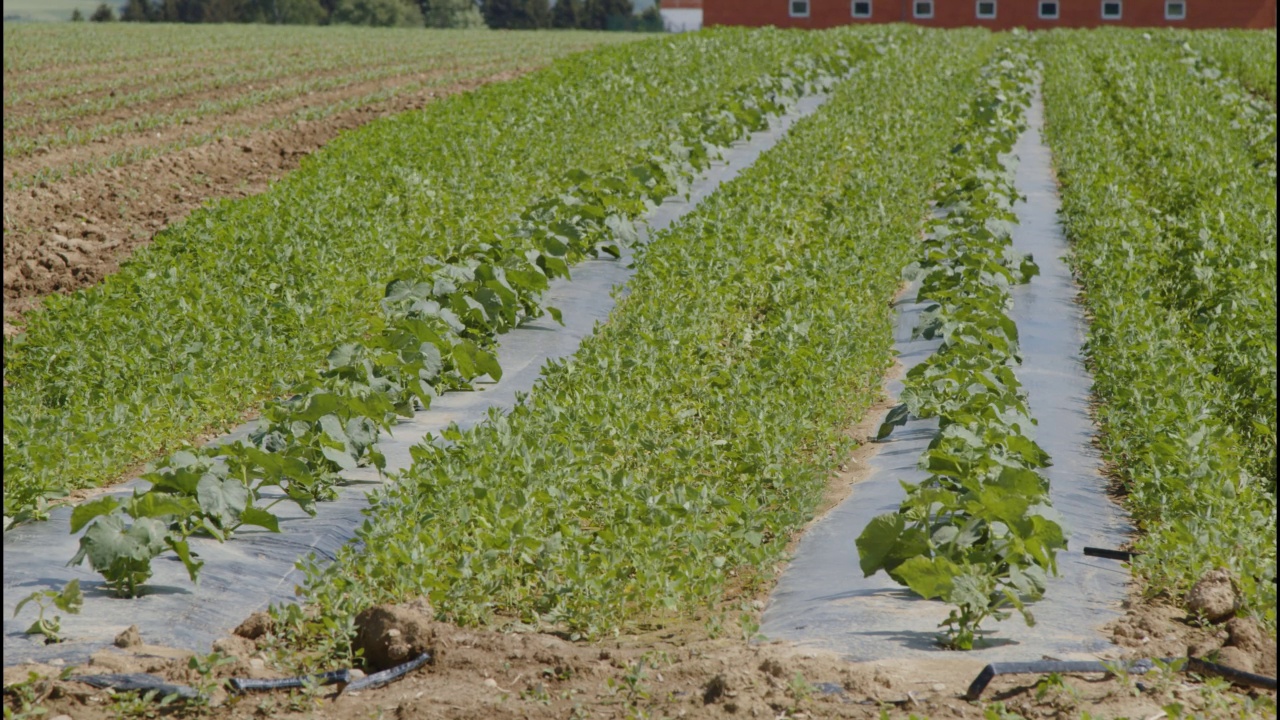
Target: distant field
{"type": "Point", "coordinates": [45, 10]}
{"type": "Point", "coordinates": [112, 132]}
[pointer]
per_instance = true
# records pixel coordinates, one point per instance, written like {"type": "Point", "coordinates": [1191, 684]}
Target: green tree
{"type": "Point", "coordinates": [567, 14]}
{"type": "Point", "coordinates": [284, 12]}
{"type": "Point", "coordinates": [222, 11]}
{"type": "Point", "coordinates": [451, 13]}
{"type": "Point", "coordinates": [77, 16]}
{"type": "Point", "coordinates": [517, 14]}
{"type": "Point", "coordinates": [597, 13]}
{"type": "Point", "coordinates": [377, 13]}
{"type": "Point", "coordinates": [137, 11]}
{"type": "Point", "coordinates": [651, 20]}
{"type": "Point", "coordinates": [103, 13]}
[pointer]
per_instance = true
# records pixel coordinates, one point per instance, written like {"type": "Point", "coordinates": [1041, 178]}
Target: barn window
{"type": "Point", "coordinates": [1048, 10]}
{"type": "Point", "coordinates": [1111, 10]}
{"type": "Point", "coordinates": [862, 8]}
{"type": "Point", "coordinates": [922, 8]}
{"type": "Point", "coordinates": [1175, 10]}
{"type": "Point", "coordinates": [986, 9]}
{"type": "Point", "coordinates": [799, 8]}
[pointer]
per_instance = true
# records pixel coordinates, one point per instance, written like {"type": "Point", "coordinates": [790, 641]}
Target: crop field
{"type": "Point", "coordinates": [113, 132]}
{"type": "Point", "coordinates": [606, 546]}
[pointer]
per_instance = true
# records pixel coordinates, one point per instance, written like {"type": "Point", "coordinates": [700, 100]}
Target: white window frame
{"type": "Point", "coordinates": [1057, 9]}
{"type": "Point", "coordinates": [977, 10]}
{"type": "Point", "coordinates": [853, 9]}
{"type": "Point", "coordinates": [791, 8]}
{"type": "Point", "coordinates": [1119, 4]}
{"type": "Point", "coordinates": [1170, 3]}
{"type": "Point", "coordinates": [915, 9]}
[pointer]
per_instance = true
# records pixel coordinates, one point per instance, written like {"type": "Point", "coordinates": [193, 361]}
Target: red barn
{"type": "Point", "coordinates": [995, 14]}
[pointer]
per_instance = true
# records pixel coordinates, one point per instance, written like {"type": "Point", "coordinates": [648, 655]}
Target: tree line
{"type": "Point", "coordinates": [502, 14]}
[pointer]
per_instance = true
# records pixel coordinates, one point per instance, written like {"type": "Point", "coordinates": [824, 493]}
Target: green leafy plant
{"type": "Point", "coordinates": [69, 600]}
{"type": "Point", "coordinates": [978, 533]}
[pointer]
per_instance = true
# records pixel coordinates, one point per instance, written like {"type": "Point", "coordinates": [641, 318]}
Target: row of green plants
{"type": "Point", "coordinates": [1254, 117]}
{"type": "Point", "coordinates": [242, 300]}
{"type": "Point", "coordinates": [685, 441]}
{"type": "Point", "coordinates": [1249, 56]}
{"type": "Point", "coordinates": [437, 333]}
{"type": "Point", "coordinates": [979, 532]}
{"type": "Point", "coordinates": [1173, 230]}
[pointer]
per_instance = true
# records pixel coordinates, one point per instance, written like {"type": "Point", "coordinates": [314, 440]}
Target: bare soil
{"type": "Point", "coordinates": [674, 671]}
{"type": "Point", "coordinates": [69, 234]}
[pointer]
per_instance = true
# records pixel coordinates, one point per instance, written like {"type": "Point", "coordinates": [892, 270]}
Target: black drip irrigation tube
{"type": "Point", "coordinates": [242, 685]}
{"type": "Point", "coordinates": [1240, 677]}
{"type": "Point", "coordinates": [1123, 555]}
{"type": "Point", "coordinates": [137, 682]}
{"type": "Point", "coordinates": [143, 682]}
{"type": "Point", "coordinates": [379, 679]}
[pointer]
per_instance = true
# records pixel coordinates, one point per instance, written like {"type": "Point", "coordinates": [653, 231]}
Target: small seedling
{"type": "Point", "coordinates": [68, 600]}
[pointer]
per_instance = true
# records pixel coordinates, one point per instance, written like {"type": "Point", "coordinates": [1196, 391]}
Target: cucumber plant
{"type": "Point", "coordinates": [978, 532]}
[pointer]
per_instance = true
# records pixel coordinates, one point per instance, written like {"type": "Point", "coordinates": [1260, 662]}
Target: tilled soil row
{"type": "Point", "coordinates": [200, 92]}
{"type": "Point", "coordinates": [67, 235]}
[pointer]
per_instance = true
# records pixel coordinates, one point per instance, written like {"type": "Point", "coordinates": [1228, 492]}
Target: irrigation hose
{"type": "Point", "coordinates": [379, 679]}
{"type": "Point", "coordinates": [1124, 555]}
{"type": "Point", "coordinates": [241, 685]}
{"type": "Point", "coordinates": [1191, 664]}
{"type": "Point", "coordinates": [140, 682]}
{"type": "Point", "coordinates": [143, 682]}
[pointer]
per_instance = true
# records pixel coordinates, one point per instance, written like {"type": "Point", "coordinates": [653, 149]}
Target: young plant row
{"type": "Point", "coordinates": [1249, 56]}
{"type": "Point", "coordinates": [437, 333]}
{"type": "Point", "coordinates": [687, 439]}
{"type": "Point", "coordinates": [1253, 117]}
{"type": "Point", "coordinates": [1178, 263]}
{"type": "Point", "coordinates": [979, 532]}
{"type": "Point", "coordinates": [237, 303]}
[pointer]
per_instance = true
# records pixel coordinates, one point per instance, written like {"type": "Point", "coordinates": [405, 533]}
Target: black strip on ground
{"type": "Point", "coordinates": [325, 678]}
{"type": "Point", "coordinates": [1197, 665]}
{"type": "Point", "coordinates": [139, 682]}
{"type": "Point", "coordinates": [379, 679]}
{"type": "Point", "coordinates": [1124, 555]}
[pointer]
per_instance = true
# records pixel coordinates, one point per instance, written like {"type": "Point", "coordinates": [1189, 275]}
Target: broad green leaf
{"type": "Point", "coordinates": [260, 518]}
{"type": "Point", "coordinates": [878, 541]}
{"type": "Point", "coordinates": [86, 511]}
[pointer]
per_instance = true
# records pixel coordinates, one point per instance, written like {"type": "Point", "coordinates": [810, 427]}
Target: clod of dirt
{"type": "Point", "coordinates": [772, 667]}
{"type": "Point", "coordinates": [715, 689]}
{"type": "Point", "coordinates": [115, 662]}
{"type": "Point", "coordinates": [257, 625]}
{"type": "Point", "coordinates": [1247, 635]}
{"type": "Point", "coordinates": [129, 637]}
{"type": "Point", "coordinates": [391, 635]}
{"type": "Point", "coordinates": [1203, 648]}
{"type": "Point", "coordinates": [235, 646]}
{"type": "Point", "coordinates": [1236, 658]}
{"type": "Point", "coordinates": [1214, 597]}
